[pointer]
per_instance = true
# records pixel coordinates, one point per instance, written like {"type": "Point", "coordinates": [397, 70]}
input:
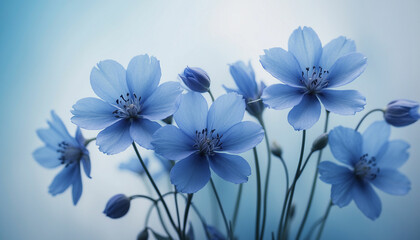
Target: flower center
{"type": "Point", "coordinates": [207, 142]}
{"type": "Point", "coordinates": [128, 106]}
{"type": "Point", "coordinates": [69, 153]}
{"type": "Point", "coordinates": [314, 79]}
{"type": "Point", "coordinates": [366, 168]}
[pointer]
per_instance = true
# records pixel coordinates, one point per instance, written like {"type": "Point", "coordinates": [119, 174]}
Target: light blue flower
{"type": "Point", "coordinates": [371, 160]}
{"type": "Point", "coordinates": [131, 102]}
{"type": "Point", "coordinates": [308, 72]}
{"type": "Point", "coordinates": [202, 137]}
{"type": "Point", "coordinates": [400, 113]}
{"type": "Point", "coordinates": [117, 206]}
{"type": "Point", "coordinates": [244, 78]}
{"type": "Point", "coordinates": [61, 149]}
{"type": "Point", "coordinates": [133, 165]}
{"type": "Point", "coordinates": [196, 79]}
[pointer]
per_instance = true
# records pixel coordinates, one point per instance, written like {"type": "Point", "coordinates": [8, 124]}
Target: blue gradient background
{"type": "Point", "coordinates": [47, 49]}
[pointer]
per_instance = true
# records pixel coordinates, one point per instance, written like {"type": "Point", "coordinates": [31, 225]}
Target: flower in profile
{"type": "Point", "coordinates": [133, 165]}
{"type": "Point", "coordinates": [196, 79]}
{"type": "Point", "coordinates": [202, 137]}
{"type": "Point", "coordinates": [117, 206]}
{"type": "Point", "coordinates": [131, 102]}
{"type": "Point", "coordinates": [61, 149]}
{"type": "Point", "coordinates": [244, 78]}
{"type": "Point", "coordinates": [371, 160]}
{"type": "Point", "coordinates": [400, 113]}
{"type": "Point", "coordinates": [308, 72]}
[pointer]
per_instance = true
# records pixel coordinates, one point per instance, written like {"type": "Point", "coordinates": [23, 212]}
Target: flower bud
{"type": "Point", "coordinates": [143, 235]}
{"type": "Point", "coordinates": [320, 142]}
{"type": "Point", "coordinates": [400, 113]}
{"type": "Point", "coordinates": [117, 206]}
{"type": "Point", "coordinates": [276, 149]}
{"type": "Point", "coordinates": [196, 79]}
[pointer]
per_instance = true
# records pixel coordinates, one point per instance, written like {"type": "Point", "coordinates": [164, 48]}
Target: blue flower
{"type": "Point", "coordinates": [131, 102]}
{"type": "Point", "coordinates": [400, 113]}
{"type": "Point", "coordinates": [117, 206]}
{"type": "Point", "coordinates": [308, 72]}
{"type": "Point", "coordinates": [62, 149]}
{"type": "Point", "coordinates": [201, 138]}
{"type": "Point", "coordinates": [371, 160]}
{"type": "Point", "coordinates": [134, 165]}
{"type": "Point", "coordinates": [196, 79]}
{"type": "Point", "coordinates": [214, 233]}
{"type": "Point", "coordinates": [244, 78]}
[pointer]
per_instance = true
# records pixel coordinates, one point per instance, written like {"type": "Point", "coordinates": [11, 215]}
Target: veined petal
{"type": "Point", "coordinates": [393, 155]}
{"type": "Point", "coordinates": [244, 77]}
{"type": "Point", "coordinates": [162, 102]}
{"type": "Point", "coordinates": [375, 136]}
{"type": "Point", "coordinates": [231, 168]}
{"type": "Point", "coordinates": [51, 137]}
{"type": "Point", "coordinates": [229, 90]}
{"type": "Point", "coordinates": [305, 114]}
{"type": "Point", "coordinates": [242, 137]}
{"type": "Point", "coordinates": [342, 193]}
{"type": "Point", "coordinates": [115, 138]}
{"type": "Point", "coordinates": [77, 187]}
{"type": "Point", "coordinates": [79, 137]}
{"type": "Point", "coordinates": [142, 130]}
{"type": "Point", "coordinates": [345, 145]}
{"type": "Point", "coordinates": [335, 49]}
{"type": "Point", "coordinates": [226, 111]}
{"type": "Point", "coordinates": [172, 143]}
{"type": "Point", "coordinates": [58, 126]}
{"type": "Point", "coordinates": [346, 69]}
{"type": "Point", "coordinates": [280, 96]}
{"type": "Point", "coordinates": [344, 102]}
{"type": "Point", "coordinates": [334, 174]}
{"type": "Point", "coordinates": [93, 114]}
{"type": "Point", "coordinates": [305, 45]}
{"type": "Point", "coordinates": [367, 200]}
{"type": "Point", "coordinates": [191, 115]}
{"type": "Point", "coordinates": [191, 174]}
{"type": "Point", "coordinates": [392, 181]}
{"type": "Point", "coordinates": [143, 75]}
{"type": "Point", "coordinates": [63, 179]}
{"type": "Point", "coordinates": [47, 157]}
{"type": "Point", "coordinates": [86, 165]}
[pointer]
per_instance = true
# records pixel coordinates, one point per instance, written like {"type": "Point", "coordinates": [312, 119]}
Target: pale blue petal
{"type": "Point", "coordinates": [392, 181]}
{"type": "Point", "coordinates": [231, 168]}
{"type": "Point", "coordinates": [142, 130]}
{"type": "Point", "coordinates": [191, 174]}
{"type": "Point", "coordinates": [191, 115]}
{"type": "Point", "coordinates": [374, 138]}
{"type": "Point", "coordinates": [393, 155]}
{"type": "Point", "coordinates": [79, 138]}
{"type": "Point", "coordinates": [367, 200]}
{"type": "Point", "coordinates": [59, 130]}
{"type": "Point", "coordinates": [162, 102]}
{"type": "Point", "coordinates": [305, 114]}
{"type": "Point", "coordinates": [335, 49]}
{"type": "Point", "coordinates": [344, 102]}
{"type": "Point", "coordinates": [242, 137]}
{"type": "Point", "coordinates": [172, 143]}
{"type": "Point", "coordinates": [63, 179]}
{"type": "Point", "coordinates": [93, 114]}
{"type": "Point", "coordinates": [77, 186]}
{"type": "Point", "coordinates": [332, 173]}
{"type": "Point", "coordinates": [86, 165]}
{"type": "Point", "coordinates": [346, 69]}
{"type": "Point", "coordinates": [115, 138]}
{"type": "Point", "coordinates": [345, 145]}
{"type": "Point", "coordinates": [226, 111]}
{"type": "Point", "coordinates": [244, 77]}
{"type": "Point", "coordinates": [306, 47]}
{"type": "Point", "coordinates": [342, 193]}
{"type": "Point", "coordinates": [280, 96]}
{"type": "Point", "coordinates": [47, 157]}
{"type": "Point", "coordinates": [229, 90]}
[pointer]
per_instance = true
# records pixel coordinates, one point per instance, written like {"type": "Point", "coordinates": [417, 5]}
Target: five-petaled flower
{"type": "Point", "coordinates": [132, 102]}
{"type": "Point", "coordinates": [201, 138]}
{"type": "Point", "coordinates": [308, 72]}
{"type": "Point", "coordinates": [63, 149]}
{"type": "Point", "coordinates": [372, 160]}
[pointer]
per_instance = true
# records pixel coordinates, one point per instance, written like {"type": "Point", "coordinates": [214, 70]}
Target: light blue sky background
{"type": "Point", "coordinates": [47, 49]}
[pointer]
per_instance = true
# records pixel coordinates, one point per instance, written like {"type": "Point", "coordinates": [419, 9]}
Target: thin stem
{"type": "Point", "coordinates": [155, 204]}
{"type": "Point", "coordinates": [257, 169]}
{"type": "Point", "coordinates": [211, 95]}
{"type": "Point", "coordinates": [187, 209]}
{"type": "Point", "coordinates": [236, 211]}
{"type": "Point", "coordinates": [286, 194]}
{"type": "Point", "coordinates": [177, 208]}
{"type": "Point", "coordinates": [367, 114]}
{"type": "Point", "coordinates": [220, 205]}
{"type": "Point", "coordinates": [162, 221]}
{"type": "Point", "coordinates": [312, 229]}
{"type": "Point", "coordinates": [142, 196]}
{"type": "Point", "coordinates": [87, 141]}
{"type": "Point", "coordinates": [324, 220]}
{"type": "Point", "coordinates": [306, 162]}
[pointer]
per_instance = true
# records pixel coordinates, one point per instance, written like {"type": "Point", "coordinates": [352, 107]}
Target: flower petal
{"type": "Point", "coordinates": [108, 80]}
{"type": "Point", "coordinates": [335, 49]}
{"type": "Point", "coordinates": [93, 114]}
{"type": "Point", "coordinates": [392, 181]}
{"type": "Point", "coordinates": [142, 130]}
{"type": "Point", "coordinates": [63, 179]}
{"type": "Point", "coordinates": [375, 136]}
{"type": "Point", "coordinates": [242, 137]}
{"type": "Point", "coordinates": [79, 137]}
{"type": "Point", "coordinates": [280, 96]}
{"type": "Point", "coordinates": [334, 174]}
{"type": "Point", "coordinates": [244, 78]}
{"type": "Point", "coordinates": [191, 174]}
{"type": "Point", "coordinates": [367, 200]}
{"type": "Point", "coordinates": [77, 186]}
{"type": "Point", "coordinates": [226, 111]}
{"type": "Point", "coordinates": [231, 168]}
{"type": "Point", "coordinates": [305, 114]}
{"type": "Point", "coordinates": [282, 65]}
{"type": "Point", "coordinates": [344, 102]}
{"type": "Point", "coordinates": [393, 155]}
{"type": "Point", "coordinates": [143, 75]}
{"type": "Point", "coordinates": [346, 69]}
{"type": "Point", "coordinates": [172, 143]}
{"type": "Point", "coordinates": [47, 157]}
{"type": "Point", "coordinates": [345, 145]}
{"type": "Point", "coordinates": [191, 115]}
{"type": "Point", "coordinates": [115, 138]}
{"type": "Point", "coordinates": [86, 165]}
{"type": "Point", "coordinates": [341, 194]}
{"type": "Point", "coordinates": [306, 46]}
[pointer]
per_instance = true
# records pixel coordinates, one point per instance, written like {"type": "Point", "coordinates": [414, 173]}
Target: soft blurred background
{"type": "Point", "coordinates": [47, 49]}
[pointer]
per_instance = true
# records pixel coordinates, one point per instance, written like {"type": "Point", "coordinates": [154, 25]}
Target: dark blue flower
{"type": "Point", "coordinates": [400, 113]}
{"type": "Point", "coordinates": [117, 206]}
{"type": "Point", "coordinates": [134, 165]}
{"type": "Point", "coordinates": [201, 138]}
{"type": "Point", "coordinates": [370, 159]}
{"type": "Point", "coordinates": [131, 102]}
{"type": "Point", "coordinates": [308, 72]}
{"type": "Point", "coordinates": [196, 79]}
{"type": "Point", "coordinates": [63, 150]}
{"type": "Point", "coordinates": [244, 78]}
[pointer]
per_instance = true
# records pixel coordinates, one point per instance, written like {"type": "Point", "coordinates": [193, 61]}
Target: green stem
{"type": "Point", "coordinates": [211, 95]}
{"type": "Point", "coordinates": [187, 209]}
{"type": "Point", "coordinates": [324, 220]}
{"type": "Point", "coordinates": [220, 205]}
{"type": "Point", "coordinates": [367, 114]}
{"type": "Point", "coordinates": [257, 170]}
{"type": "Point", "coordinates": [236, 211]}
{"type": "Point", "coordinates": [89, 141]}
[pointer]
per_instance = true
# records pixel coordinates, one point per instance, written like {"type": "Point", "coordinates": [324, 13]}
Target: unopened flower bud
{"type": "Point", "coordinates": [276, 149]}
{"type": "Point", "coordinates": [143, 235]}
{"type": "Point", "coordinates": [117, 206]}
{"type": "Point", "coordinates": [400, 113]}
{"type": "Point", "coordinates": [196, 79]}
{"type": "Point", "coordinates": [320, 142]}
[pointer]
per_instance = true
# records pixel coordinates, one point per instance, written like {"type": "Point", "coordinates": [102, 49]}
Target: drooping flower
{"type": "Point", "coordinates": [202, 137]}
{"type": "Point", "coordinates": [133, 165]}
{"type": "Point", "coordinates": [371, 160]}
{"type": "Point", "coordinates": [308, 73]}
{"type": "Point", "coordinates": [244, 78]}
{"type": "Point", "coordinates": [131, 102]}
{"type": "Point", "coordinates": [196, 79]}
{"type": "Point", "coordinates": [117, 206]}
{"type": "Point", "coordinates": [61, 149]}
{"type": "Point", "coordinates": [400, 113]}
